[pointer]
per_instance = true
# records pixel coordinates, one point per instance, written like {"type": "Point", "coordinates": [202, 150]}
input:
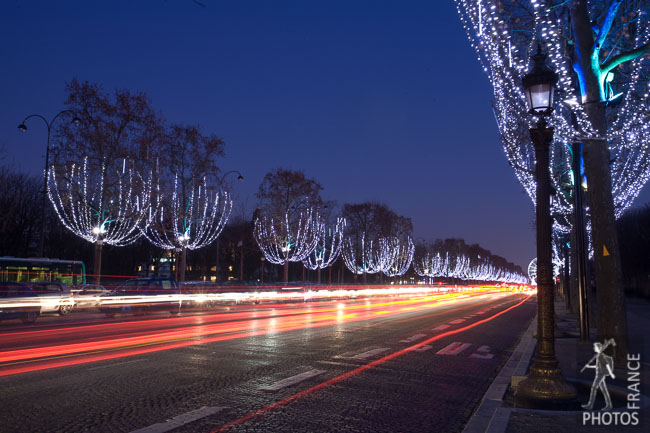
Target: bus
{"type": "Point", "coordinates": [19, 270]}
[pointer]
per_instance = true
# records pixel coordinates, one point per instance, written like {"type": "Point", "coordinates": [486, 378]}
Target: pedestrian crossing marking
{"type": "Point", "coordinates": [454, 348]}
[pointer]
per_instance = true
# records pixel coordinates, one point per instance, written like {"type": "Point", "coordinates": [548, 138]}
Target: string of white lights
{"type": "Point", "coordinates": [328, 247]}
{"type": "Point", "coordinates": [100, 205]}
{"type": "Point", "coordinates": [291, 239]}
{"type": "Point", "coordinates": [192, 217]}
{"type": "Point", "coordinates": [503, 34]}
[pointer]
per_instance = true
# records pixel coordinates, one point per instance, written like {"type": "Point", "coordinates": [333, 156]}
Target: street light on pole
{"type": "Point", "coordinates": [23, 128]}
{"type": "Point", "coordinates": [240, 178]}
{"type": "Point", "coordinates": [544, 386]}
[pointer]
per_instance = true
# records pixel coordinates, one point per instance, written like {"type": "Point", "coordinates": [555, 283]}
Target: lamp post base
{"type": "Point", "coordinates": [545, 387]}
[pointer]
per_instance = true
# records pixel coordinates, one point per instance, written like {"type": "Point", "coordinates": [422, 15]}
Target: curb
{"type": "Point", "coordinates": [490, 416]}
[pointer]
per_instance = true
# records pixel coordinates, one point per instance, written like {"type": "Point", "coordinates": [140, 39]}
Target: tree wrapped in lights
{"type": "Point", "coordinates": [327, 250]}
{"type": "Point", "coordinates": [102, 206]}
{"type": "Point", "coordinates": [375, 237]}
{"type": "Point", "coordinates": [191, 218]}
{"type": "Point", "coordinates": [600, 51]}
{"type": "Point", "coordinates": [367, 256]}
{"type": "Point", "coordinates": [290, 239]}
{"type": "Point", "coordinates": [401, 255]}
{"type": "Point", "coordinates": [429, 264]}
{"type": "Point", "coordinates": [452, 258]}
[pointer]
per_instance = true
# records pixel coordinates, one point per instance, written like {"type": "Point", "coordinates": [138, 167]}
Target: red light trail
{"type": "Point", "coordinates": [358, 370]}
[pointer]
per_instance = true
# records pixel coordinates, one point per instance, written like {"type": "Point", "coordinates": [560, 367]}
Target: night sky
{"type": "Point", "coordinates": [377, 100]}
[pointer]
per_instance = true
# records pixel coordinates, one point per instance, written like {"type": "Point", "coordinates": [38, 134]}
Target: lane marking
{"type": "Point", "coordinates": [117, 363]}
{"type": "Point", "coordinates": [441, 327]}
{"type": "Point", "coordinates": [293, 380]}
{"type": "Point", "coordinates": [371, 353]}
{"type": "Point", "coordinates": [413, 338]}
{"type": "Point", "coordinates": [423, 348]}
{"type": "Point", "coordinates": [285, 401]}
{"type": "Point", "coordinates": [457, 321]}
{"type": "Point", "coordinates": [180, 420]}
{"type": "Point", "coordinates": [454, 348]}
{"type": "Point", "coordinates": [482, 352]}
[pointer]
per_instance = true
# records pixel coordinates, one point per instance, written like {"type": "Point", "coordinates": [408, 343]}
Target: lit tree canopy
{"type": "Point", "coordinates": [611, 54]}
{"type": "Point", "coordinates": [192, 217]}
{"type": "Point", "coordinates": [328, 247]}
{"type": "Point", "coordinates": [100, 205]}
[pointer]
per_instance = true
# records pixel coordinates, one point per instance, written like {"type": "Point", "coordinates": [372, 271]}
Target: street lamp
{"type": "Point", "coordinates": [544, 386]}
{"type": "Point", "coordinates": [240, 178]}
{"type": "Point", "coordinates": [23, 128]}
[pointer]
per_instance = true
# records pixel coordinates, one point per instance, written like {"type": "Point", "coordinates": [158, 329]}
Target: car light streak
{"type": "Point", "coordinates": [360, 369]}
{"type": "Point", "coordinates": [186, 331]}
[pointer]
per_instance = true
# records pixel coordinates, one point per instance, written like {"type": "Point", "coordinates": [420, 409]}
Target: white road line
{"type": "Point", "coordinates": [293, 380]}
{"type": "Point", "coordinates": [117, 363]}
{"type": "Point", "coordinates": [482, 356]}
{"type": "Point", "coordinates": [482, 352]}
{"type": "Point", "coordinates": [180, 420]}
{"type": "Point", "coordinates": [423, 348]}
{"type": "Point", "coordinates": [441, 327]}
{"type": "Point", "coordinates": [413, 338]}
{"type": "Point", "coordinates": [454, 348]}
{"type": "Point", "coordinates": [371, 353]}
{"type": "Point", "coordinates": [457, 321]}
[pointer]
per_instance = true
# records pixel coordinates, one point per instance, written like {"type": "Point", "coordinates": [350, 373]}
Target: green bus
{"type": "Point", "coordinates": [18, 270]}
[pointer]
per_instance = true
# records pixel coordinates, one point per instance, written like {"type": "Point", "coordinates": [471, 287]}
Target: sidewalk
{"type": "Point", "coordinates": [497, 414]}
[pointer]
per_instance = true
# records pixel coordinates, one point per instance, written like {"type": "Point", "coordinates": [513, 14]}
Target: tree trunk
{"type": "Point", "coordinates": [97, 263]}
{"type": "Point", "coordinates": [181, 277]}
{"type": "Point", "coordinates": [318, 275]}
{"type": "Point", "coordinates": [286, 271]}
{"type": "Point", "coordinates": [241, 263]}
{"type": "Point", "coordinates": [609, 279]}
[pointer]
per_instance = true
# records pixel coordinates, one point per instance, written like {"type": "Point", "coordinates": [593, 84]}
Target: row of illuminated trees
{"type": "Point", "coordinates": [294, 224]}
{"type": "Point", "coordinates": [120, 172]}
{"type": "Point", "coordinates": [119, 206]}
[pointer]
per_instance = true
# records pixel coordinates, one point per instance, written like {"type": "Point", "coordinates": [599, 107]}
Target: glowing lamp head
{"type": "Point", "coordinates": [76, 120]}
{"type": "Point", "coordinates": [22, 127]}
{"type": "Point", "coordinates": [539, 85]}
{"type": "Point", "coordinates": [99, 230]}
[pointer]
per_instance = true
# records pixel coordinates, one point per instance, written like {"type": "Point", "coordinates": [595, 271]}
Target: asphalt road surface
{"type": "Point", "coordinates": [389, 364]}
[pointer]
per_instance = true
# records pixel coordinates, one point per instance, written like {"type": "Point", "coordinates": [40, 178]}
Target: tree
{"type": "Point", "coordinates": [189, 209]}
{"type": "Point", "coordinates": [290, 239]}
{"type": "Point", "coordinates": [100, 205]}
{"type": "Point", "coordinates": [588, 42]}
{"type": "Point", "coordinates": [114, 129]}
{"type": "Point", "coordinates": [286, 191]}
{"type": "Point", "coordinates": [327, 250]}
{"type": "Point", "coordinates": [374, 236]}
{"type": "Point", "coordinates": [288, 221]}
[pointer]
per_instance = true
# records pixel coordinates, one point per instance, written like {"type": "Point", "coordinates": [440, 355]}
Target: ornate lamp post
{"type": "Point", "coordinates": [544, 386]}
{"type": "Point", "coordinates": [23, 128]}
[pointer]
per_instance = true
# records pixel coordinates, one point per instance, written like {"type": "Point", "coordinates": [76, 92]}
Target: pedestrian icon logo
{"type": "Point", "coordinates": [603, 366]}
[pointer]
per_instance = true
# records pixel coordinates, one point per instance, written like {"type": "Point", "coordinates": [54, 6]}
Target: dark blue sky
{"type": "Point", "coordinates": [377, 100]}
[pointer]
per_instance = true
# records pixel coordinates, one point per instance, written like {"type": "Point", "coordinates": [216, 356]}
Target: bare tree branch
{"type": "Point", "coordinates": [625, 57]}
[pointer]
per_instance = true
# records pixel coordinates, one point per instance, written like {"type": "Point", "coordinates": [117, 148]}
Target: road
{"type": "Point", "coordinates": [385, 364]}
